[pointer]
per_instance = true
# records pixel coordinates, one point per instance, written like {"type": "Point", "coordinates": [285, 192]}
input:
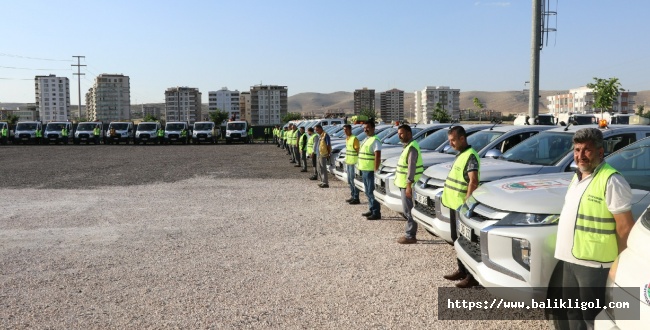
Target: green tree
{"type": "Point", "coordinates": [291, 116]}
{"type": "Point", "coordinates": [640, 109]}
{"type": "Point", "coordinates": [605, 92]}
{"type": "Point", "coordinates": [12, 119]}
{"type": "Point", "coordinates": [477, 103]}
{"type": "Point", "coordinates": [440, 114]}
{"type": "Point", "coordinates": [370, 113]}
{"type": "Point", "coordinates": [218, 116]}
{"type": "Point", "coordinates": [150, 118]}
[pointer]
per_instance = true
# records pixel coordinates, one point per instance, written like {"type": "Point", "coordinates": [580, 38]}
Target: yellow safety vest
{"type": "Point", "coordinates": [366, 155]}
{"type": "Point", "coordinates": [402, 166]}
{"type": "Point", "coordinates": [301, 142]}
{"type": "Point", "coordinates": [453, 195]}
{"type": "Point", "coordinates": [322, 146]}
{"type": "Point", "coordinates": [310, 144]}
{"type": "Point", "coordinates": [594, 236]}
{"type": "Point", "coordinates": [351, 155]}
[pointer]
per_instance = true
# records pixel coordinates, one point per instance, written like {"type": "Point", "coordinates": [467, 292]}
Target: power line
{"type": "Point", "coordinates": [33, 58]}
{"type": "Point", "coordinates": [15, 68]}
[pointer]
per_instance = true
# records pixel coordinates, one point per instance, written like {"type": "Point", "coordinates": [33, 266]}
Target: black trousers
{"type": "Point", "coordinates": [454, 237]}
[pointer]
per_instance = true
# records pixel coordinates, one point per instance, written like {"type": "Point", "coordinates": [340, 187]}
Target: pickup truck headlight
{"type": "Point", "coordinates": [521, 252]}
{"type": "Point", "coordinates": [527, 219]}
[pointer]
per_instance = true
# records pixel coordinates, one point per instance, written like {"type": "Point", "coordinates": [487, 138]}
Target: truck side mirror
{"type": "Point", "coordinates": [493, 153]}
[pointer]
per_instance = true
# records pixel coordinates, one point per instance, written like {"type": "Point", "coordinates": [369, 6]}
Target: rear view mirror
{"type": "Point", "coordinates": [493, 153]}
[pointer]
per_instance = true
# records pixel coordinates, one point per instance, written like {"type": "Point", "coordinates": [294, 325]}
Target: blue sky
{"type": "Point", "coordinates": [319, 46]}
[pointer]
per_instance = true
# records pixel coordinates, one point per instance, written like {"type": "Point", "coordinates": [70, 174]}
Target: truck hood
{"type": "Point", "coordinates": [429, 158]}
{"type": "Point", "coordinates": [541, 194]}
{"type": "Point", "coordinates": [491, 169]}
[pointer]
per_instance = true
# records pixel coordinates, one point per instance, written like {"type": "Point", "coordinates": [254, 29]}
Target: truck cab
{"type": "Point", "coordinates": [204, 131]}
{"type": "Point", "coordinates": [28, 132]}
{"type": "Point", "coordinates": [177, 131]}
{"type": "Point", "coordinates": [119, 131]}
{"type": "Point", "coordinates": [147, 132]}
{"type": "Point", "coordinates": [54, 132]}
{"type": "Point", "coordinates": [237, 131]}
{"type": "Point", "coordinates": [85, 132]}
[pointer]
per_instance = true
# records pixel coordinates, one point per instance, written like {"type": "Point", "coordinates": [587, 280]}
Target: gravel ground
{"type": "Point", "coordinates": [204, 237]}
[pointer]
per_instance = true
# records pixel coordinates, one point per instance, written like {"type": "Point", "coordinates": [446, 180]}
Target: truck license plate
{"type": "Point", "coordinates": [465, 231]}
{"type": "Point", "coordinates": [422, 199]}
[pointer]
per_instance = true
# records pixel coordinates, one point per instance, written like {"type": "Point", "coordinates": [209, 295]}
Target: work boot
{"type": "Point", "coordinates": [468, 282]}
{"type": "Point", "coordinates": [354, 202]}
{"type": "Point", "coordinates": [406, 240]}
{"type": "Point", "coordinates": [455, 276]}
{"type": "Point", "coordinates": [374, 217]}
{"type": "Point", "coordinates": [366, 214]}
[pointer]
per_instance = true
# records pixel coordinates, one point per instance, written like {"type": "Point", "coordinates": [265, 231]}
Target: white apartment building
{"type": "Point", "coordinates": [581, 100]}
{"type": "Point", "coordinates": [183, 104]}
{"type": "Point", "coordinates": [225, 100]}
{"type": "Point", "coordinates": [268, 104]}
{"type": "Point", "coordinates": [426, 100]}
{"type": "Point", "coordinates": [391, 105]}
{"type": "Point", "coordinates": [364, 99]}
{"type": "Point", "coordinates": [109, 99]}
{"type": "Point", "coordinates": [52, 97]}
{"type": "Point", "coordinates": [245, 106]}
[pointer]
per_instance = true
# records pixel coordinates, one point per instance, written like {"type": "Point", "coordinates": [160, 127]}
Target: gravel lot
{"type": "Point", "coordinates": [204, 237]}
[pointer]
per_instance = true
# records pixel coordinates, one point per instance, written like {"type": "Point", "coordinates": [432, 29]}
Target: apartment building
{"type": "Point", "coordinates": [364, 99]}
{"type": "Point", "coordinates": [245, 106]}
{"type": "Point", "coordinates": [109, 99]}
{"type": "Point", "coordinates": [53, 98]}
{"type": "Point", "coordinates": [391, 105]}
{"type": "Point", "coordinates": [269, 103]}
{"type": "Point", "coordinates": [152, 110]}
{"type": "Point", "coordinates": [427, 99]}
{"type": "Point", "coordinates": [225, 100]}
{"type": "Point", "coordinates": [183, 104]}
{"type": "Point", "coordinates": [581, 100]}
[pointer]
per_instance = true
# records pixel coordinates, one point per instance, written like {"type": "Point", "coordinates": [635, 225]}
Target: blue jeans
{"type": "Point", "coordinates": [407, 206]}
{"type": "Point", "coordinates": [369, 186]}
{"type": "Point", "coordinates": [354, 192]}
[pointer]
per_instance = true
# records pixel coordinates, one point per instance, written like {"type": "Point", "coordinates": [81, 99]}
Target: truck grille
{"type": "Point", "coordinates": [84, 135]}
{"type": "Point", "coordinates": [380, 189]}
{"type": "Point", "coordinates": [428, 209]}
{"type": "Point", "coordinates": [173, 136]}
{"type": "Point", "coordinates": [53, 136]}
{"type": "Point", "coordinates": [235, 135]}
{"type": "Point", "coordinates": [472, 248]}
{"type": "Point", "coordinates": [24, 136]}
{"type": "Point", "coordinates": [201, 135]}
{"type": "Point", "coordinates": [145, 136]}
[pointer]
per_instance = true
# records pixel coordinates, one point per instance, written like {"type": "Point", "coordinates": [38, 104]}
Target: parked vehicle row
{"type": "Point", "coordinates": [507, 228]}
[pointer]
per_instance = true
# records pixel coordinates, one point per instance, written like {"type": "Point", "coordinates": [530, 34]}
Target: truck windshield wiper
{"type": "Point", "coordinates": [519, 161]}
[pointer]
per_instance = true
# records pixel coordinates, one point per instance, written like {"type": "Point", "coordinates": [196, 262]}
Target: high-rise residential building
{"type": "Point", "coordinates": [53, 97]}
{"type": "Point", "coordinates": [391, 105]}
{"type": "Point", "coordinates": [183, 104]}
{"type": "Point", "coordinates": [152, 110]}
{"type": "Point", "coordinates": [225, 100]}
{"type": "Point", "coordinates": [245, 106]}
{"type": "Point", "coordinates": [364, 99]}
{"type": "Point", "coordinates": [268, 104]}
{"type": "Point", "coordinates": [110, 98]}
{"type": "Point", "coordinates": [427, 99]}
{"type": "Point", "coordinates": [581, 100]}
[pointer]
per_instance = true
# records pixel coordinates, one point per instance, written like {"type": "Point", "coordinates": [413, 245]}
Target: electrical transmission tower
{"type": "Point", "coordinates": [79, 74]}
{"type": "Point", "coordinates": [542, 15]}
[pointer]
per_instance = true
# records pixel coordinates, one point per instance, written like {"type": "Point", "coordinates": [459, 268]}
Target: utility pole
{"type": "Point", "coordinates": [79, 74]}
{"type": "Point", "coordinates": [536, 44]}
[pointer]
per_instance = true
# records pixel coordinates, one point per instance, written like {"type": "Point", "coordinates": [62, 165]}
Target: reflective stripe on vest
{"type": "Point", "coordinates": [402, 166]}
{"type": "Point", "coordinates": [310, 144]}
{"type": "Point", "coordinates": [366, 155]}
{"type": "Point", "coordinates": [351, 155]}
{"type": "Point", "coordinates": [453, 195]}
{"type": "Point", "coordinates": [594, 236]}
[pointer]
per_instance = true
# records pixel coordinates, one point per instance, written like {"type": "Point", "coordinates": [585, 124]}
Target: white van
{"type": "Point", "coordinates": [147, 131]}
{"type": "Point", "coordinates": [119, 131]}
{"type": "Point", "coordinates": [237, 131]}
{"type": "Point", "coordinates": [54, 132]}
{"type": "Point", "coordinates": [28, 132]}
{"type": "Point", "coordinates": [85, 132]}
{"type": "Point", "coordinates": [177, 131]}
{"type": "Point", "coordinates": [205, 131]}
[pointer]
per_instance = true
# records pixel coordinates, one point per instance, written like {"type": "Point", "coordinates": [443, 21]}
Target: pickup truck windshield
{"type": "Point", "coordinates": [236, 126]}
{"type": "Point", "coordinates": [541, 149]}
{"type": "Point", "coordinates": [86, 127]}
{"type": "Point", "coordinates": [147, 127]}
{"type": "Point", "coordinates": [633, 163]}
{"type": "Point", "coordinates": [120, 126]}
{"type": "Point", "coordinates": [54, 127]}
{"type": "Point", "coordinates": [26, 126]}
{"type": "Point", "coordinates": [435, 139]}
{"type": "Point", "coordinates": [203, 127]}
{"type": "Point", "coordinates": [174, 127]}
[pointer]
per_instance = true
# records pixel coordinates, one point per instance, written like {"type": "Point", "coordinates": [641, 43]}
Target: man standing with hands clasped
{"type": "Point", "coordinates": [409, 170]}
{"type": "Point", "coordinates": [462, 180]}
{"type": "Point", "coordinates": [369, 160]}
{"type": "Point", "coordinates": [594, 224]}
{"type": "Point", "coordinates": [351, 158]}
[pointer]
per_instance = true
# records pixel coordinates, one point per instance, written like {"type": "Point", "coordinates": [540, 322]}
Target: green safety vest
{"type": "Point", "coordinates": [283, 134]}
{"type": "Point", "coordinates": [351, 155]}
{"type": "Point", "coordinates": [303, 140]}
{"type": "Point", "coordinates": [38, 133]}
{"type": "Point", "coordinates": [183, 133]}
{"type": "Point", "coordinates": [310, 144]}
{"type": "Point", "coordinates": [594, 236]}
{"type": "Point", "coordinates": [64, 132]}
{"type": "Point", "coordinates": [402, 166]}
{"type": "Point", "coordinates": [453, 195]}
{"type": "Point", "coordinates": [96, 131]}
{"type": "Point", "coordinates": [250, 131]}
{"type": "Point", "coordinates": [161, 133]}
{"type": "Point", "coordinates": [293, 135]}
{"type": "Point", "coordinates": [367, 156]}
{"type": "Point", "coordinates": [4, 132]}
